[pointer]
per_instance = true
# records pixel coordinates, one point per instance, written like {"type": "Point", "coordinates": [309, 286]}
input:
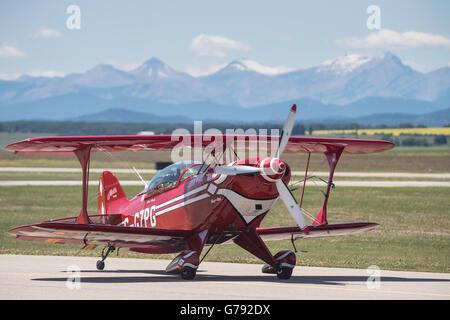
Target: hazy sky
{"type": "Point", "coordinates": [198, 36]}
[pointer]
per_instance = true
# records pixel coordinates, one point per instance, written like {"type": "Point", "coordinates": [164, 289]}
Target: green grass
{"type": "Point", "coordinates": [414, 233]}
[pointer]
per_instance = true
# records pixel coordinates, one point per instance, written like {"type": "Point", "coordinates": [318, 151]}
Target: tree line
{"type": "Point", "coordinates": [122, 128]}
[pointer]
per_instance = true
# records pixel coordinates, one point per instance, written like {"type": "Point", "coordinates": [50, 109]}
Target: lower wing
{"type": "Point", "coordinates": [315, 231]}
{"type": "Point", "coordinates": [104, 229]}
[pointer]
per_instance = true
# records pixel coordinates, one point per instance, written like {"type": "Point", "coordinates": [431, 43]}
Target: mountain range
{"type": "Point", "coordinates": [347, 87]}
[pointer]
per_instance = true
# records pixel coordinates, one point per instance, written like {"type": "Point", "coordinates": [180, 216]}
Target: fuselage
{"type": "Point", "coordinates": [205, 200]}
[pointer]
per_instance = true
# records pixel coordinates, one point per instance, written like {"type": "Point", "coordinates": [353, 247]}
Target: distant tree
{"type": "Point", "coordinates": [411, 142]}
{"type": "Point", "coordinates": [299, 129]}
{"type": "Point", "coordinates": [387, 137]}
{"type": "Point", "coordinates": [405, 125]}
{"type": "Point", "coordinates": [440, 139]}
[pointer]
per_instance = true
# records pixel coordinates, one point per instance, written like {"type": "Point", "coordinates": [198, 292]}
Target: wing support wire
{"type": "Point", "coordinates": [304, 180]}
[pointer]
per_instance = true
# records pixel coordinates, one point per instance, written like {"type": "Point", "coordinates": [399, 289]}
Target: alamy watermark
{"type": "Point", "coordinates": [374, 20]}
{"type": "Point", "coordinates": [374, 279]}
{"type": "Point", "coordinates": [214, 145]}
{"type": "Point", "coordinates": [73, 281]}
{"type": "Point", "coordinates": [73, 22]}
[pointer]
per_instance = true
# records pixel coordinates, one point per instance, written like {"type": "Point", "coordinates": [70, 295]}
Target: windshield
{"type": "Point", "coordinates": [168, 176]}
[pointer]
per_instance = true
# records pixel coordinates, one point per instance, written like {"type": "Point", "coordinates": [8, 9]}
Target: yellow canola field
{"type": "Point", "coordinates": [393, 131]}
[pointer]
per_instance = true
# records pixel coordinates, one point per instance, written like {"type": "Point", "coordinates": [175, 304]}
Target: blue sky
{"type": "Point", "coordinates": [198, 36]}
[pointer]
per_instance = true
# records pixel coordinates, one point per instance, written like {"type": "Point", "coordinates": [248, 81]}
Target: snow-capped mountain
{"type": "Point", "coordinates": [246, 65]}
{"type": "Point", "coordinates": [155, 70]}
{"type": "Point", "coordinates": [241, 84]}
{"type": "Point", "coordinates": [342, 65]}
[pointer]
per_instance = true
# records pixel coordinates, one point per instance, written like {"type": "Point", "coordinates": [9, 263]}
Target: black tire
{"type": "Point", "coordinates": [100, 265]}
{"type": "Point", "coordinates": [284, 273]}
{"type": "Point", "coordinates": [188, 274]}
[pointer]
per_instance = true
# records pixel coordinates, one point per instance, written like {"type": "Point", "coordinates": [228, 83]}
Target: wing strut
{"type": "Point", "coordinates": [333, 154]}
{"type": "Point", "coordinates": [84, 154]}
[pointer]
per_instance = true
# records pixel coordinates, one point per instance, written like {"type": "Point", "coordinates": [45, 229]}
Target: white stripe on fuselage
{"type": "Point", "coordinates": [188, 194]}
{"type": "Point", "coordinates": [182, 204]}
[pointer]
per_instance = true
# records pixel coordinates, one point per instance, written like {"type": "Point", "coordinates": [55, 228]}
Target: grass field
{"type": "Point", "coordinates": [414, 232]}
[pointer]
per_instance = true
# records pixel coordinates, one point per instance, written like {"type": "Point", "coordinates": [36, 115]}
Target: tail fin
{"type": "Point", "coordinates": [110, 196]}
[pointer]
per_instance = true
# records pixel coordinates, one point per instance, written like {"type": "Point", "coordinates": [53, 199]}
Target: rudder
{"type": "Point", "coordinates": [110, 196]}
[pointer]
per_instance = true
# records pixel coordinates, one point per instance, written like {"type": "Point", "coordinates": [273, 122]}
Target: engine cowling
{"type": "Point", "coordinates": [273, 169]}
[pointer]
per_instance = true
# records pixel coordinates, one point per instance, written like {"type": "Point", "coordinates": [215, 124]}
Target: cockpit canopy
{"type": "Point", "coordinates": [170, 175]}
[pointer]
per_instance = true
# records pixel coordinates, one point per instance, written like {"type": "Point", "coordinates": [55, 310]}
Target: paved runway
{"type": "Point", "coordinates": [54, 277]}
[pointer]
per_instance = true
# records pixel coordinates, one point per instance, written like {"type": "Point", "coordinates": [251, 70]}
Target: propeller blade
{"type": "Point", "coordinates": [234, 170]}
{"type": "Point", "coordinates": [287, 131]}
{"type": "Point", "coordinates": [291, 204]}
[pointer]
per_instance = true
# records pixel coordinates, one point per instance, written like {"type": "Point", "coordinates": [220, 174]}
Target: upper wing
{"type": "Point", "coordinates": [315, 231]}
{"type": "Point", "coordinates": [68, 231]}
{"type": "Point", "coordinates": [66, 145]}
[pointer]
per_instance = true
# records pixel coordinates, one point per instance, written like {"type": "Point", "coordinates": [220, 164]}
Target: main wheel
{"type": "Point", "coordinates": [100, 265]}
{"type": "Point", "coordinates": [188, 274]}
{"type": "Point", "coordinates": [284, 273]}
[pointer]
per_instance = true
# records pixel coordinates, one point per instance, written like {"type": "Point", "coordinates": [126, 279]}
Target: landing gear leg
{"type": "Point", "coordinates": [105, 253]}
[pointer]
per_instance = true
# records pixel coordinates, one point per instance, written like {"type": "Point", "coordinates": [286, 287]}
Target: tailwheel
{"type": "Point", "coordinates": [188, 274]}
{"type": "Point", "coordinates": [105, 253]}
{"type": "Point", "coordinates": [100, 265]}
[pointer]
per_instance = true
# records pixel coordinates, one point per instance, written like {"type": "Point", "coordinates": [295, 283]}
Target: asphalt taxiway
{"type": "Point", "coordinates": [64, 277]}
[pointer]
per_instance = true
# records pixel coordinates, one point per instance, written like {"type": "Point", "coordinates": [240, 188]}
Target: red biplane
{"type": "Point", "coordinates": [190, 205]}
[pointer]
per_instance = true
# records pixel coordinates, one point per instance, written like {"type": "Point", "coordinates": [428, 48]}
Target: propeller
{"type": "Point", "coordinates": [285, 194]}
{"type": "Point", "coordinates": [266, 166]}
{"type": "Point", "coordinates": [290, 203]}
{"type": "Point", "coordinates": [287, 131]}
